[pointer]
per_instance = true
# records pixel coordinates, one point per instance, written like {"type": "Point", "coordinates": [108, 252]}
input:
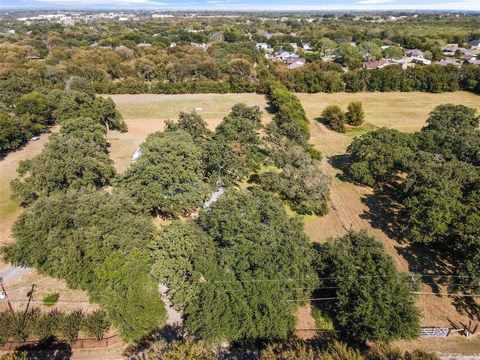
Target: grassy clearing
{"type": "Point", "coordinates": [147, 113]}
{"type": "Point", "coordinates": [402, 111]}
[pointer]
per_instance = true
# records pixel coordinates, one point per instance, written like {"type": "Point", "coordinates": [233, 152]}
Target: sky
{"type": "Point", "coordinates": [248, 4]}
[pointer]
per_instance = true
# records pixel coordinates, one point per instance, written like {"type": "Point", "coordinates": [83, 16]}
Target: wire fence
{"type": "Point", "coordinates": [77, 344]}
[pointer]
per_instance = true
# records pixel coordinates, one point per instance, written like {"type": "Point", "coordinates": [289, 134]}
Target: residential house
{"type": "Point", "coordinates": [421, 61]}
{"type": "Point", "coordinates": [415, 53]}
{"type": "Point", "coordinates": [377, 64]}
{"type": "Point", "coordinates": [471, 62]}
{"type": "Point", "coordinates": [294, 63]}
{"type": "Point", "coordinates": [475, 44]}
{"type": "Point", "coordinates": [284, 55]}
{"type": "Point", "coordinates": [450, 50]}
{"type": "Point", "coordinates": [449, 62]}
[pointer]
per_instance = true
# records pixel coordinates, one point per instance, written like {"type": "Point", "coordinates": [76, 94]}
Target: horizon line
{"type": "Point", "coordinates": [165, 9]}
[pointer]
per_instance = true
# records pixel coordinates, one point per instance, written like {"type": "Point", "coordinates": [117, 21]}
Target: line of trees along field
{"type": "Point", "coordinates": [433, 176]}
{"type": "Point", "coordinates": [239, 270]}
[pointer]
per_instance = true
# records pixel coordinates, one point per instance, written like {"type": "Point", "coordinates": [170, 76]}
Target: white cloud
{"type": "Point", "coordinates": [105, 2]}
{"type": "Point", "coordinates": [368, 2]}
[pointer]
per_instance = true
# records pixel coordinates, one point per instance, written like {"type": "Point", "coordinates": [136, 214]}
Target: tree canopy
{"type": "Point", "coordinates": [373, 301]}
{"type": "Point", "coordinates": [168, 176]}
{"type": "Point", "coordinates": [242, 239]}
{"type": "Point", "coordinates": [65, 162]}
{"type": "Point", "coordinates": [435, 176]}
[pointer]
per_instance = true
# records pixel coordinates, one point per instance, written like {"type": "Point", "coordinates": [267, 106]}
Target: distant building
{"type": "Point", "coordinates": [471, 62]}
{"type": "Point", "coordinates": [262, 46]}
{"type": "Point", "coordinates": [450, 62]}
{"type": "Point", "coordinates": [377, 64]}
{"type": "Point", "coordinates": [284, 55]}
{"type": "Point", "coordinates": [450, 50]}
{"type": "Point", "coordinates": [475, 44]}
{"type": "Point", "coordinates": [294, 63]}
{"type": "Point", "coordinates": [306, 46]}
{"type": "Point", "coordinates": [421, 61]}
{"type": "Point", "coordinates": [415, 53]}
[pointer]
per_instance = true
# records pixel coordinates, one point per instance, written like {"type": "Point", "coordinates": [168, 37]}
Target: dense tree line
{"type": "Point", "coordinates": [435, 174]}
{"type": "Point", "coordinates": [208, 55]}
{"type": "Point", "coordinates": [25, 113]}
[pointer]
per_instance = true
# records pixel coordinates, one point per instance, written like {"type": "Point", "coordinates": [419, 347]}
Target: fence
{"type": "Point", "coordinates": [77, 344]}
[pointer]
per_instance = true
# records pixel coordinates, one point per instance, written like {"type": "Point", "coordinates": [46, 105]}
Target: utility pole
{"type": "Point", "coordinates": [6, 296]}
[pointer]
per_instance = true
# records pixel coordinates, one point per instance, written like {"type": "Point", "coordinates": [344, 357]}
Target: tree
{"type": "Point", "coordinates": [301, 350]}
{"type": "Point", "coordinates": [191, 123]}
{"type": "Point", "coordinates": [104, 111]}
{"type": "Point", "coordinates": [38, 105]}
{"type": "Point", "coordinates": [13, 133]}
{"type": "Point", "coordinates": [373, 301]}
{"type": "Point", "coordinates": [65, 163]}
{"type": "Point", "coordinates": [348, 55]}
{"type": "Point", "coordinates": [243, 238]}
{"type": "Point", "coordinates": [168, 177]}
{"type": "Point", "coordinates": [393, 52]}
{"type": "Point", "coordinates": [325, 46]}
{"type": "Point", "coordinates": [129, 295]}
{"type": "Point", "coordinates": [244, 111]}
{"type": "Point", "coordinates": [290, 119]}
{"type": "Point", "coordinates": [178, 350]}
{"type": "Point", "coordinates": [240, 70]}
{"type": "Point", "coordinates": [452, 118]}
{"type": "Point", "coordinates": [370, 50]}
{"type": "Point", "coordinates": [235, 149]}
{"type": "Point", "coordinates": [355, 115]}
{"type": "Point", "coordinates": [300, 181]}
{"type": "Point", "coordinates": [379, 155]}
{"type": "Point", "coordinates": [69, 325]}
{"type": "Point", "coordinates": [334, 118]}
{"type": "Point", "coordinates": [87, 129]}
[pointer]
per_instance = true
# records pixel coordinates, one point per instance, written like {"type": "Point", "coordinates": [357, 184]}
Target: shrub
{"type": "Point", "coordinates": [50, 299]}
{"type": "Point", "coordinates": [95, 324]}
{"type": "Point", "coordinates": [334, 118]}
{"type": "Point", "coordinates": [69, 325]}
{"type": "Point", "coordinates": [355, 114]}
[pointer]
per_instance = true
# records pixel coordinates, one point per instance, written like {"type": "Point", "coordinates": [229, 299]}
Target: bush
{"type": "Point", "coordinates": [334, 118]}
{"type": "Point", "coordinates": [355, 114]}
{"type": "Point", "coordinates": [95, 324]}
{"type": "Point", "coordinates": [51, 299]}
{"type": "Point", "coordinates": [69, 325]}
{"type": "Point", "coordinates": [322, 320]}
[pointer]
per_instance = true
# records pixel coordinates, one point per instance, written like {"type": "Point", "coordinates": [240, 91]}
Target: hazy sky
{"type": "Point", "coordinates": [250, 4]}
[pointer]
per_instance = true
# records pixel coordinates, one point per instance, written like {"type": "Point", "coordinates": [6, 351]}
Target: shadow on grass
{"type": "Point", "coordinates": [467, 306]}
{"type": "Point", "coordinates": [383, 212]}
{"type": "Point", "coordinates": [169, 333]}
